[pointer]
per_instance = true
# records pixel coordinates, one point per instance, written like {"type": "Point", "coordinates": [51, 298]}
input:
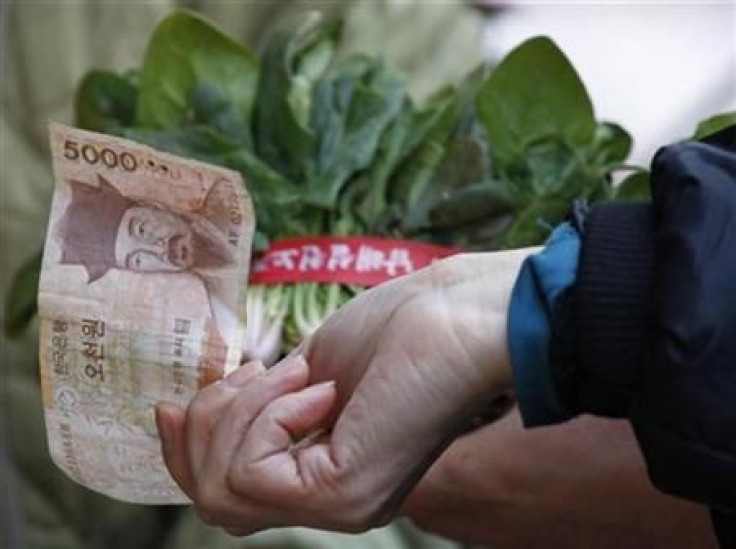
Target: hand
{"type": "Point", "coordinates": [577, 485]}
{"type": "Point", "coordinates": [413, 359]}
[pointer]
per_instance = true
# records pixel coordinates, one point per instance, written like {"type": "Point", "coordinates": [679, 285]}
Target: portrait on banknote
{"type": "Point", "coordinates": [103, 229]}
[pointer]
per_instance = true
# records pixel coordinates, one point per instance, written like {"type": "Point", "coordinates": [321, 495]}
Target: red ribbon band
{"type": "Point", "coordinates": [359, 260]}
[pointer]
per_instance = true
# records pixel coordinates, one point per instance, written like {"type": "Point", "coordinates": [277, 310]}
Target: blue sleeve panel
{"type": "Point", "coordinates": [543, 278]}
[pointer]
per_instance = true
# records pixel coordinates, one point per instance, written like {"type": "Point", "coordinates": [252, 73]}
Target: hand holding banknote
{"type": "Point", "coordinates": [413, 361]}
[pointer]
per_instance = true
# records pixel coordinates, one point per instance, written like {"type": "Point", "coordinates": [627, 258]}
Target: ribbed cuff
{"type": "Point", "coordinates": [602, 327]}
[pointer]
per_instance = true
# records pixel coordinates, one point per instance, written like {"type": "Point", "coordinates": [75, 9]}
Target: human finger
{"type": "Point", "coordinates": [208, 404]}
{"type": "Point", "coordinates": [214, 501]}
{"type": "Point", "coordinates": [283, 422]}
{"type": "Point", "coordinates": [268, 466]}
{"type": "Point", "coordinates": [288, 375]}
{"type": "Point", "coordinates": [170, 421]}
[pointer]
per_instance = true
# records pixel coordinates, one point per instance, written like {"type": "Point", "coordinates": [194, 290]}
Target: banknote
{"type": "Point", "coordinates": [141, 299]}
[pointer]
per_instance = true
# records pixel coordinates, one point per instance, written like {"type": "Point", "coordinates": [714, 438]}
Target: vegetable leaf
{"type": "Point", "coordinates": [533, 93]}
{"type": "Point", "coordinates": [404, 135]}
{"type": "Point", "coordinates": [200, 142]}
{"type": "Point", "coordinates": [104, 101]}
{"type": "Point", "coordinates": [635, 187]}
{"type": "Point", "coordinates": [714, 124]}
{"type": "Point", "coordinates": [611, 145]}
{"type": "Point", "coordinates": [295, 55]}
{"type": "Point", "coordinates": [451, 197]}
{"type": "Point", "coordinates": [353, 104]}
{"type": "Point", "coordinates": [20, 301]}
{"type": "Point", "coordinates": [434, 126]}
{"type": "Point", "coordinates": [184, 51]}
{"type": "Point", "coordinates": [211, 109]}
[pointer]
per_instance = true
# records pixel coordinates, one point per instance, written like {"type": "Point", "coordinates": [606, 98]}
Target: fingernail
{"type": "Point", "coordinates": [245, 373]}
{"type": "Point", "coordinates": [300, 349]}
{"type": "Point", "coordinates": [319, 388]}
{"type": "Point", "coordinates": [288, 365]}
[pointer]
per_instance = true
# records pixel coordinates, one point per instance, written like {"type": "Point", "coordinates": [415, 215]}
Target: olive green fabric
{"type": "Point", "coordinates": [46, 48]}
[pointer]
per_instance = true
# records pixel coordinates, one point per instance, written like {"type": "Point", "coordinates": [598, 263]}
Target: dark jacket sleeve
{"type": "Point", "coordinates": [648, 331]}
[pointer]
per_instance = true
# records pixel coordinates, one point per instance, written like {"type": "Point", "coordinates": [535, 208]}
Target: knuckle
{"type": "Point", "coordinates": [273, 413]}
{"type": "Point", "coordinates": [425, 308]}
{"type": "Point", "coordinates": [198, 410]}
{"type": "Point", "coordinates": [206, 499]}
{"type": "Point", "coordinates": [238, 476]}
{"type": "Point", "coordinates": [210, 393]}
{"type": "Point", "coordinates": [205, 515]}
{"type": "Point", "coordinates": [211, 504]}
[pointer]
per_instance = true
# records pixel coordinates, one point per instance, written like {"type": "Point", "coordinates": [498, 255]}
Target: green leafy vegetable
{"type": "Point", "coordinates": [635, 187]}
{"type": "Point", "coordinates": [413, 176]}
{"type": "Point", "coordinates": [295, 55]}
{"type": "Point", "coordinates": [20, 302]}
{"type": "Point", "coordinates": [353, 104]}
{"type": "Point", "coordinates": [210, 108]}
{"type": "Point", "coordinates": [534, 93]}
{"type": "Point", "coordinates": [611, 146]}
{"type": "Point", "coordinates": [201, 142]}
{"type": "Point", "coordinates": [105, 101]}
{"type": "Point", "coordinates": [185, 51]}
{"type": "Point", "coordinates": [714, 124]}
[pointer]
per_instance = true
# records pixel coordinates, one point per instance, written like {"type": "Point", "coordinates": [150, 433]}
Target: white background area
{"type": "Point", "coordinates": [657, 68]}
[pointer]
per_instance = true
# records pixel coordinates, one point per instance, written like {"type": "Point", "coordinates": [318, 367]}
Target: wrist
{"type": "Point", "coordinates": [476, 291]}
